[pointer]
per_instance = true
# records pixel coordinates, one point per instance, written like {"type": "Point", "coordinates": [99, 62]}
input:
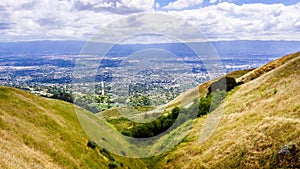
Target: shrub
{"type": "Point", "coordinates": [104, 152]}
{"type": "Point", "coordinates": [155, 127]}
{"type": "Point", "coordinates": [204, 106]}
{"type": "Point", "coordinates": [113, 164]}
{"type": "Point", "coordinates": [225, 83]}
{"type": "Point", "coordinates": [216, 98]}
{"type": "Point", "coordinates": [210, 102]}
{"type": "Point", "coordinates": [92, 144]}
{"type": "Point", "coordinates": [275, 91]}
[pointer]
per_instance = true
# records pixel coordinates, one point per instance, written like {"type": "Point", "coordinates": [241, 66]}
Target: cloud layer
{"type": "Point", "coordinates": [115, 6]}
{"type": "Point", "coordinates": [249, 21]}
{"type": "Point", "coordinates": [80, 19]}
{"type": "Point", "coordinates": [181, 4]}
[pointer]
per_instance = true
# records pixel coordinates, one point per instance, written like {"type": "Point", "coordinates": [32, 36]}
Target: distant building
{"type": "Point", "coordinates": [102, 87]}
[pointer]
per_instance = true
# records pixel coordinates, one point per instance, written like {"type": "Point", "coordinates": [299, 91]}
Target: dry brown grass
{"type": "Point", "coordinates": [112, 112]}
{"type": "Point", "coordinates": [36, 132]}
{"type": "Point", "coordinates": [267, 67]}
{"type": "Point", "coordinates": [260, 117]}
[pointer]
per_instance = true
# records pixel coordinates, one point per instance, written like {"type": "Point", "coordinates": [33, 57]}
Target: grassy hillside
{"type": "Point", "coordinates": [259, 118]}
{"type": "Point", "coordinates": [202, 89]}
{"type": "Point", "coordinates": [36, 132]}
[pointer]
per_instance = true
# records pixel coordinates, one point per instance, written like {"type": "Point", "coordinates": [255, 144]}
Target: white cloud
{"type": "Point", "coordinates": [64, 19]}
{"type": "Point", "coordinates": [159, 26]}
{"type": "Point", "coordinates": [115, 6]}
{"type": "Point", "coordinates": [46, 19]}
{"type": "Point", "coordinates": [214, 1]}
{"type": "Point", "coordinates": [157, 5]}
{"type": "Point", "coordinates": [181, 4]}
{"type": "Point", "coordinates": [249, 21]}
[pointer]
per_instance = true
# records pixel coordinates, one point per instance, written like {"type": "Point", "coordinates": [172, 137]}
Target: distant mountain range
{"type": "Point", "coordinates": [241, 48]}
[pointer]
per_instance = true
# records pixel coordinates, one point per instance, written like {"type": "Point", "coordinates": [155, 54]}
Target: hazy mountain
{"type": "Point", "coordinates": [242, 48]}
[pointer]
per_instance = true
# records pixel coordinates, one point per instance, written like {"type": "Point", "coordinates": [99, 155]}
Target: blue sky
{"type": "Point", "coordinates": [23, 20]}
{"type": "Point", "coordinates": [205, 3]}
{"type": "Point", "coordinates": [239, 2]}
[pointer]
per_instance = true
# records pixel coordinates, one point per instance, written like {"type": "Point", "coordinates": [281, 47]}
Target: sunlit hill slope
{"type": "Point", "coordinates": [258, 118]}
{"type": "Point", "coordinates": [36, 132]}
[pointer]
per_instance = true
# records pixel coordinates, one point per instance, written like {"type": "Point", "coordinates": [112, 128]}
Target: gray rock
{"type": "Point", "coordinates": [289, 157]}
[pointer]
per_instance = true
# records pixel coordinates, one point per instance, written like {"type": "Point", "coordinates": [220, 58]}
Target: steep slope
{"type": "Point", "coordinates": [259, 118]}
{"type": "Point", "coordinates": [36, 132]}
{"type": "Point", "coordinates": [242, 76]}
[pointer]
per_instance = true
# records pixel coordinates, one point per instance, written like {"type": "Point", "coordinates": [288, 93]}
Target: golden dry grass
{"type": "Point", "coordinates": [260, 117]}
{"type": "Point", "coordinates": [36, 132]}
{"type": "Point", "coordinates": [267, 67]}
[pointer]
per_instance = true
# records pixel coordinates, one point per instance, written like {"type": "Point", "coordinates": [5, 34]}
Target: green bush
{"type": "Point", "coordinates": [216, 98]}
{"type": "Point", "coordinates": [275, 91]}
{"type": "Point", "coordinates": [92, 144]}
{"type": "Point", "coordinates": [225, 83]}
{"type": "Point", "coordinates": [204, 106]}
{"type": "Point", "coordinates": [112, 165]}
{"type": "Point", "coordinates": [153, 128]}
{"type": "Point", "coordinates": [210, 102]}
{"type": "Point", "coordinates": [104, 152]}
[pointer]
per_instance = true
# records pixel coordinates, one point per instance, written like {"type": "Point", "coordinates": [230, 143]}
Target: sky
{"type": "Point", "coordinates": [27, 20]}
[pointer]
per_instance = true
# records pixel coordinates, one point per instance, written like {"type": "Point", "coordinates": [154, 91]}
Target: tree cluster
{"type": "Point", "coordinates": [153, 128]}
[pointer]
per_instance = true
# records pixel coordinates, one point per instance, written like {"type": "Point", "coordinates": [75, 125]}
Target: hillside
{"type": "Point", "coordinates": [267, 67]}
{"type": "Point", "coordinates": [36, 132]}
{"type": "Point", "coordinates": [202, 89]}
{"type": "Point", "coordinates": [255, 121]}
{"type": "Point", "coordinates": [259, 118]}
